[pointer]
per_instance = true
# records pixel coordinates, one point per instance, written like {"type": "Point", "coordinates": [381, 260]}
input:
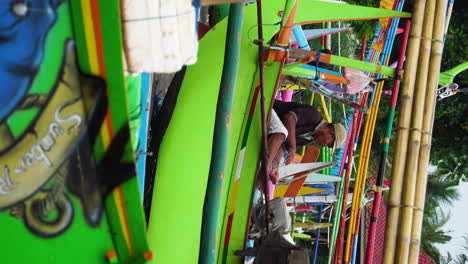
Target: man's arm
{"type": "Point", "coordinates": [289, 121]}
{"type": "Point", "coordinates": [274, 174]}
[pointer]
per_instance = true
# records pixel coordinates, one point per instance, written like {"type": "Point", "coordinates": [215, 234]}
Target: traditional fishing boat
{"type": "Point", "coordinates": [69, 129]}
{"type": "Point", "coordinates": [184, 156]}
{"type": "Point", "coordinates": [68, 187]}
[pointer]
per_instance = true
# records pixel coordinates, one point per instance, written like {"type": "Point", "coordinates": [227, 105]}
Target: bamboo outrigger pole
{"type": "Point", "coordinates": [426, 133]}
{"type": "Point", "coordinates": [406, 100]}
{"type": "Point", "coordinates": [307, 56]}
{"type": "Point", "coordinates": [264, 152]}
{"type": "Point", "coordinates": [211, 205]}
{"type": "Point", "coordinates": [406, 210]}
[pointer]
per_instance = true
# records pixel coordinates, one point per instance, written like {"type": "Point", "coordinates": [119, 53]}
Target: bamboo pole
{"type": "Point", "coordinates": [264, 152]}
{"type": "Point", "coordinates": [385, 146]}
{"type": "Point", "coordinates": [363, 48]}
{"type": "Point", "coordinates": [428, 121]}
{"type": "Point", "coordinates": [344, 202]}
{"type": "Point", "coordinates": [364, 158]}
{"type": "Point", "coordinates": [338, 251]}
{"type": "Point", "coordinates": [355, 129]}
{"type": "Point", "coordinates": [328, 42]}
{"type": "Point", "coordinates": [300, 72]}
{"type": "Point", "coordinates": [406, 100]}
{"type": "Point", "coordinates": [363, 164]}
{"type": "Point", "coordinates": [336, 219]}
{"type": "Point", "coordinates": [211, 205]}
{"type": "Point", "coordinates": [449, 15]}
{"type": "Point", "coordinates": [361, 174]}
{"type": "Point", "coordinates": [317, 236]}
{"type": "Point", "coordinates": [404, 232]}
{"type": "Point", "coordinates": [323, 105]}
{"type": "Point", "coordinates": [390, 36]}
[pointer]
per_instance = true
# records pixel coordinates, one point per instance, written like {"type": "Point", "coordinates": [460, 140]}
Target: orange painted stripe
{"type": "Point", "coordinates": [295, 186]}
{"type": "Point", "coordinates": [96, 58]}
{"type": "Point", "coordinates": [98, 36]}
{"type": "Point", "coordinates": [110, 126]}
{"type": "Point", "coordinates": [285, 37]}
{"type": "Point", "coordinates": [95, 14]}
{"type": "Point", "coordinates": [122, 212]}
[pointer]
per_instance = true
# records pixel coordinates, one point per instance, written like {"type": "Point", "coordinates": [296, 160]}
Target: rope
{"type": "Point", "coordinates": [256, 25]}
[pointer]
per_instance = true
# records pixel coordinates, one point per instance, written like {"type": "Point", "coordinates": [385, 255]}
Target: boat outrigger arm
{"type": "Point", "coordinates": [448, 76]}
{"type": "Point", "coordinates": [446, 81]}
{"type": "Point", "coordinates": [305, 56]}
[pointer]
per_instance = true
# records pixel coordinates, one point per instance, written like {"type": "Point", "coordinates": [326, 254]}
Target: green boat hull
{"type": "Point", "coordinates": [184, 154]}
{"type": "Point", "coordinates": [60, 202]}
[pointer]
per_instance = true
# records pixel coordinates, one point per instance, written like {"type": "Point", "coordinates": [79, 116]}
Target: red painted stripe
{"type": "Point", "coordinates": [110, 127]}
{"type": "Point", "coordinates": [125, 224]}
{"type": "Point", "coordinates": [98, 36]}
{"type": "Point", "coordinates": [100, 54]}
{"type": "Point", "coordinates": [254, 102]}
{"type": "Point", "coordinates": [228, 230]}
{"type": "Point", "coordinates": [303, 208]}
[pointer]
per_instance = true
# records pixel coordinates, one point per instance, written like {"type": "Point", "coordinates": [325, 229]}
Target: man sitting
{"type": "Point", "coordinates": [292, 125]}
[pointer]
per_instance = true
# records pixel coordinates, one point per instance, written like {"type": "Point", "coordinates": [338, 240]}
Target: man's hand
{"type": "Point", "coordinates": [290, 155]}
{"type": "Point", "coordinates": [274, 175]}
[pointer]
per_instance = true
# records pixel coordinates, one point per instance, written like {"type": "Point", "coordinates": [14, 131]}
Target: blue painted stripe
{"type": "Point", "coordinates": [145, 100]}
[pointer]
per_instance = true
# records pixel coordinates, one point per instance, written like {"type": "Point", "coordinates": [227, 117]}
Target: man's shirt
{"type": "Point", "coordinates": [308, 119]}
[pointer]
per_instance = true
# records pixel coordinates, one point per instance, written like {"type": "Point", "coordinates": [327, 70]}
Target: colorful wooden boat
{"type": "Point", "coordinates": [190, 131]}
{"type": "Point", "coordinates": [68, 191]}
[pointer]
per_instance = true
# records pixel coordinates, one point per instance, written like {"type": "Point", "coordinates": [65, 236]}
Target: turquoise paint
{"type": "Point", "coordinates": [145, 101]}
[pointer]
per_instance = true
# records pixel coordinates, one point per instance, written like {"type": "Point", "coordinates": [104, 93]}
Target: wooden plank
{"type": "Point", "coordinates": [311, 155]}
{"type": "Point", "coordinates": [282, 191]}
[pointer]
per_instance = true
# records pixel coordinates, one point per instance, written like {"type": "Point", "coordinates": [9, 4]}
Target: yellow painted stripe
{"type": "Point", "coordinates": [105, 136]}
{"type": "Point", "coordinates": [280, 191]}
{"type": "Point", "coordinates": [234, 197]}
{"type": "Point", "coordinates": [118, 204]}
{"type": "Point", "coordinates": [90, 39]}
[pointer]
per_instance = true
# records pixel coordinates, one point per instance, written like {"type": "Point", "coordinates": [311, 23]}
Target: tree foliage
{"type": "Point", "coordinates": [450, 133]}
{"type": "Point", "coordinates": [441, 191]}
{"type": "Point", "coordinates": [459, 259]}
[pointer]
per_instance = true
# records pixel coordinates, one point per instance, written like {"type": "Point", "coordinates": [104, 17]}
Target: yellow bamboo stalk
{"type": "Point", "coordinates": [323, 106]}
{"type": "Point", "coordinates": [361, 172]}
{"type": "Point", "coordinates": [312, 96]}
{"type": "Point", "coordinates": [406, 101]}
{"type": "Point", "coordinates": [428, 121]}
{"type": "Point", "coordinates": [363, 165]}
{"type": "Point", "coordinates": [404, 232]}
{"type": "Point", "coordinates": [357, 184]}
